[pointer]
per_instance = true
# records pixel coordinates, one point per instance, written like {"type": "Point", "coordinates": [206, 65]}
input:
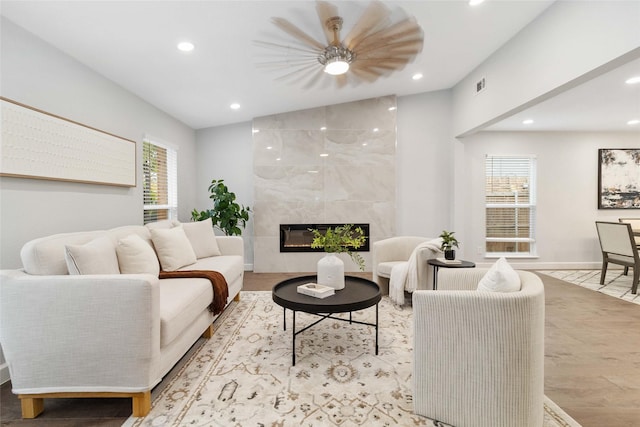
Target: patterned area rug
{"type": "Point", "coordinates": [616, 284]}
{"type": "Point", "coordinates": [243, 375]}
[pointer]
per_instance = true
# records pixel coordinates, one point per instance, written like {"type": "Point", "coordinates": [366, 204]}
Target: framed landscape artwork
{"type": "Point", "coordinates": [619, 178]}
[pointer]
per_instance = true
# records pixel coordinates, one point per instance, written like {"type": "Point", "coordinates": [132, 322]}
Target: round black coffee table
{"type": "Point", "coordinates": [357, 294]}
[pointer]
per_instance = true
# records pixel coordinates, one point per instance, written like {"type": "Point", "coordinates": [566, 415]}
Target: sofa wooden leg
{"type": "Point", "coordinates": [208, 333]}
{"type": "Point", "coordinates": [31, 406]}
{"type": "Point", "coordinates": [237, 297]}
{"type": "Point", "coordinates": [141, 403]}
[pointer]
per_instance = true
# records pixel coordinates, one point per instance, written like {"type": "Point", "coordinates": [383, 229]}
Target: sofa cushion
{"type": "Point", "coordinates": [181, 302]}
{"type": "Point", "coordinates": [95, 257]}
{"type": "Point", "coordinates": [202, 238]}
{"type": "Point", "coordinates": [135, 256]}
{"type": "Point", "coordinates": [384, 268]}
{"type": "Point", "coordinates": [173, 248]}
{"type": "Point", "coordinates": [230, 266]}
{"type": "Point", "coordinates": [46, 255]}
{"type": "Point", "coordinates": [501, 277]}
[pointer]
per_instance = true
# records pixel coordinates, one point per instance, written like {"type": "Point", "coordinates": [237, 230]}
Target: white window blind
{"type": "Point", "coordinates": [510, 198]}
{"type": "Point", "coordinates": [160, 169]}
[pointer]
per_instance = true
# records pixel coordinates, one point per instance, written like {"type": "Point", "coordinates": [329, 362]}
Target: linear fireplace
{"type": "Point", "coordinates": [298, 238]}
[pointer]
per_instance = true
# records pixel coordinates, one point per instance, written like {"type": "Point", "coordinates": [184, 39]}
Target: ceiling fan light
{"type": "Point", "coordinates": [336, 66]}
{"type": "Point", "coordinates": [336, 59]}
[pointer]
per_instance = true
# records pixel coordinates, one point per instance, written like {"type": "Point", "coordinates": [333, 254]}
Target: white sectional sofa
{"type": "Point", "coordinates": [73, 324]}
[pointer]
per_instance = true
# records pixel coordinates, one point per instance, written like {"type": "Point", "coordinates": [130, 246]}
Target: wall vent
{"type": "Point", "coordinates": [480, 85]}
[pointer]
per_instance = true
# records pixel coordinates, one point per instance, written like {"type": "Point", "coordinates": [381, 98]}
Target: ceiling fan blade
{"type": "Point", "coordinates": [325, 11]}
{"type": "Point", "coordinates": [400, 50]}
{"type": "Point", "coordinates": [365, 74]}
{"type": "Point", "coordinates": [301, 71]}
{"type": "Point", "coordinates": [405, 30]}
{"type": "Point", "coordinates": [314, 79]}
{"type": "Point", "coordinates": [341, 80]}
{"type": "Point", "coordinates": [375, 17]}
{"type": "Point", "coordinates": [281, 47]}
{"type": "Point", "coordinates": [296, 32]}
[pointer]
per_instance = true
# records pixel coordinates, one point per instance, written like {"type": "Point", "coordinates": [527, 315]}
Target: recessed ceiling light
{"type": "Point", "coordinates": [255, 130]}
{"type": "Point", "coordinates": [527, 122]}
{"type": "Point", "coordinates": [278, 159]}
{"type": "Point", "coordinates": [417, 76]}
{"type": "Point", "coordinates": [633, 122]}
{"type": "Point", "coordinates": [324, 155]}
{"type": "Point", "coordinates": [633, 80]}
{"type": "Point", "coordinates": [392, 108]}
{"type": "Point", "coordinates": [376, 129]}
{"type": "Point", "coordinates": [269, 147]}
{"type": "Point", "coordinates": [312, 171]}
{"type": "Point", "coordinates": [364, 144]}
{"type": "Point", "coordinates": [185, 46]}
{"type": "Point", "coordinates": [475, 2]}
{"type": "Point", "coordinates": [234, 106]}
{"type": "Point", "coordinates": [323, 128]}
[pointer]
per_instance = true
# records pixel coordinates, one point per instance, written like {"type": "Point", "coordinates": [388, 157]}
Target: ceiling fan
{"type": "Point", "coordinates": [374, 47]}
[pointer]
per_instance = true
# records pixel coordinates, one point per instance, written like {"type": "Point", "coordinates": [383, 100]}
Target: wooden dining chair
{"type": "Point", "coordinates": [618, 247]}
{"type": "Point", "coordinates": [635, 225]}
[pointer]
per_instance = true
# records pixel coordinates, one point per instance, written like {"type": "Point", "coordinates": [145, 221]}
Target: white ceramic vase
{"type": "Point", "coordinates": [331, 271]}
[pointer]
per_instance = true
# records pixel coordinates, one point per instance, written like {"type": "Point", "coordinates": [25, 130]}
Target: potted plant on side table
{"type": "Point", "coordinates": [448, 243]}
{"type": "Point", "coordinates": [341, 239]}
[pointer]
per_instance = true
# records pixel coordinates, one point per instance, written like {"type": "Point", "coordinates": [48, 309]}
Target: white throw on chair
{"type": "Point", "coordinates": [618, 247]}
{"type": "Point", "coordinates": [479, 356]}
{"type": "Point", "coordinates": [388, 253]}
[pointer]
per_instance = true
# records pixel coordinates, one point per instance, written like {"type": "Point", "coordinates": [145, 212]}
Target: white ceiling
{"type": "Point", "coordinates": [133, 43]}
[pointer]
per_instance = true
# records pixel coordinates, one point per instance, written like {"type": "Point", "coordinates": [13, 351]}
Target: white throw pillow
{"type": "Point", "coordinates": [202, 238]}
{"type": "Point", "coordinates": [173, 248]}
{"type": "Point", "coordinates": [501, 277]}
{"type": "Point", "coordinates": [96, 257]}
{"type": "Point", "coordinates": [136, 256]}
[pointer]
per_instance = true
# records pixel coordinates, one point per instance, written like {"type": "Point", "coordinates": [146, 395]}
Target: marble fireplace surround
{"type": "Point", "coordinates": [332, 164]}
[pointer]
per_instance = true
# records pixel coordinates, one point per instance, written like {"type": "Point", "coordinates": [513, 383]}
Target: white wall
{"type": "Point", "coordinates": [424, 155]}
{"type": "Point", "coordinates": [36, 74]}
{"type": "Point", "coordinates": [567, 192]}
{"type": "Point", "coordinates": [226, 152]}
{"type": "Point", "coordinates": [567, 41]}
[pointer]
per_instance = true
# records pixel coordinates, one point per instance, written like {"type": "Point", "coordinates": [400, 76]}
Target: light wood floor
{"type": "Point", "coordinates": [592, 363]}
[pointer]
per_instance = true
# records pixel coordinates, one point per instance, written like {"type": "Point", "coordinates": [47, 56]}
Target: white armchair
{"type": "Point", "coordinates": [394, 250]}
{"type": "Point", "coordinates": [479, 356]}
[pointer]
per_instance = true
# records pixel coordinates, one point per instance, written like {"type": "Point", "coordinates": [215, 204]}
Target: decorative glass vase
{"type": "Point", "coordinates": [331, 271]}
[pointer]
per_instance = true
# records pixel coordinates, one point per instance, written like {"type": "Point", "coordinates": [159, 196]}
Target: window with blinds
{"type": "Point", "coordinates": [510, 205]}
{"type": "Point", "coordinates": [160, 168]}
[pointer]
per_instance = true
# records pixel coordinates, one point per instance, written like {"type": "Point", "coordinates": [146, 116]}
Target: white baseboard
{"type": "Point", "coordinates": [549, 265]}
{"type": "Point", "coordinates": [4, 373]}
{"type": "Point", "coordinates": [248, 267]}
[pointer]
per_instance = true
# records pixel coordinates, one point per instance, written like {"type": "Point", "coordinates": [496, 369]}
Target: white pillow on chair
{"type": "Point", "coordinates": [501, 277]}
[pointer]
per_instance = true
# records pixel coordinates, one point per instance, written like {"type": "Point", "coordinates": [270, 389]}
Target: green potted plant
{"type": "Point", "coordinates": [448, 243]}
{"type": "Point", "coordinates": [341, 239]}
{"type": "Point", "coordinates": [227, 215]}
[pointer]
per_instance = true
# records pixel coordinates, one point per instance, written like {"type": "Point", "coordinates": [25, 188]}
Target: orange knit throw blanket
{"type": "Point", "coordinates": [219, 283]}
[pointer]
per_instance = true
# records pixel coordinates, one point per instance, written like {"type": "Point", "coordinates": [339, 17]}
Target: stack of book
{"type": "Point", "coordinates": [449, 261]}
{"type": "Point", "coordinates": [315, 290]}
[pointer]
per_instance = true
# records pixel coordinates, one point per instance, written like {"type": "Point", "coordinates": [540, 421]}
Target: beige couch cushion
{"type": "Point", "coordinates": [173, 248]}
{"type": "Point", "coordinates": [181, 301]}
{"type": "Point", "coordinates": [202, 238]}
{"type": "Point", "coordinates": [95, 257]}
{"type": "Point", "coordinates": [230, 266]}
{"type": "Point", "coordinates": [135, 256]}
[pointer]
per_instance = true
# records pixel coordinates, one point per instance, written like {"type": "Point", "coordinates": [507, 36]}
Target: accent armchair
{"type": "Point", "coordinates": [479, 356]}
{"type": "Point", "coordinates": [389, 252]}
{"type": "Point", "coordinates": [618, 247]}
